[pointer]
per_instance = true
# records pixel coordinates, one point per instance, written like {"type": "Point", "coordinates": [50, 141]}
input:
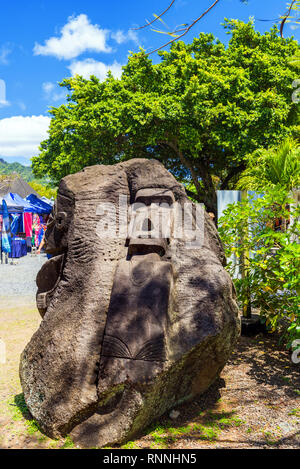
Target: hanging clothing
{"type": "Point", "coordinates": [36, 227]}
{"type": "Point", "coordinates": [6, 233]}
{"type": "Point", "coordinates": [16, 223]}
{"type": "Point", "coordinates": [28, 224]}
{"type": "Point", "coordinates": [41, 234]}
{"type": "Point", "coordinates": [33, 237]}
{"type": "Point", "coordinates": [18, 248]}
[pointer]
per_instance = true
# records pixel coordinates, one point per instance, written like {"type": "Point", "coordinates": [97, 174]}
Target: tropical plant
{"type": "Point", "coordinates": [269, 168]}
{"type": "Point", "coordinates": [263, 234]}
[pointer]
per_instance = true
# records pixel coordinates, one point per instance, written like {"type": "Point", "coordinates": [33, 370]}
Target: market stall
{"type": "Point", "coordinates": [27, 220]}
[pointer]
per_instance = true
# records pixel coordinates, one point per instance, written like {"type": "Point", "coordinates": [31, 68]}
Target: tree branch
{"type": "Point", "coordinates": [155, 19]}
{"type": "Point", "coordinates": [193, 195]}
{"type": "Point", "coordinates": [186, 30]}
{"type": "Point", "coordinates": [231, 174]}
{"type": "Point", "coordinates": [286, 17]}
{"type": "Point", "coordinates": [186, 163]}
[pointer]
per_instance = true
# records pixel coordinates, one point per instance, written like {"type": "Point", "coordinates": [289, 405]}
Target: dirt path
{"type": "Point", "coordinates": [254, 404]}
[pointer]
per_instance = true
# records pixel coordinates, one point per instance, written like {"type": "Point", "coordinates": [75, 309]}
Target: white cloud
{"type": "Point", "coordinates": [52, 92]}
{"type": "Point", "coordinates": [5, 50]}
{"type": "Point", "coordinates": [77, 36]}
{"type": "Point", "coordinates": [48, 87]}
{"type": "Point", "coordinates": [3, 101]}
{"type": "Point", "coordinates": [20, 136]}
{"type": "Point", "coordinates": [22, 105]}
{"type": "Point", "coordinates": [89, 67]}
{"type": "Point", "coordinates": [120, 37]}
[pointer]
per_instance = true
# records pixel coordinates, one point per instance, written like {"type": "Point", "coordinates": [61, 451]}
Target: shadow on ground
{"type": "Point", "coordinates": [255, 394]}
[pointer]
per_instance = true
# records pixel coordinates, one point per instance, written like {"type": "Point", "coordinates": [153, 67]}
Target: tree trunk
{"type": "Point", "coordinates": [209, 196]}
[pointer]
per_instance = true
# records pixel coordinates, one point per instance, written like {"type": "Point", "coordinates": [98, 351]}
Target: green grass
{"type": "Point", "coordinates": [19, 408]}
{"type": "Point", "coordinates": [224, 420]}
{"type": "Point", "coordinates": [68, 444]}
{"type": "Point", "coordinates": [208, 430]}
{"type": "Point", "coordinates": [271, 438]}
{"type": "Point", "coordinates": [20, 413]}
{"type": "Point", "coordinates": [209, 433]}
{"type": "Point", "coordinates": [130, 445]}
{"type": "Point", "coordinates": [32, 428]}
{"type": "Point", "coordinates": [162, 436]}
{"type": "Point", "coordinates": [295, 412]}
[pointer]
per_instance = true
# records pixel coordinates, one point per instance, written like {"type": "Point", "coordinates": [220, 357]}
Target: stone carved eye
{"type": "Point", "coordinates": [60, 220]}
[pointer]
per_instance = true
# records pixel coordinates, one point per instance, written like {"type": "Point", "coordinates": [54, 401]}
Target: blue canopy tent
{"type": "Point", "coordinates": [28, 206]}
{"type": "Point", "coordinates": [36, 202]}
{"type": "Point", "coordinates": [12, 205]}
{"type": "Point", "coordinates": [48, 201]}
{"type": "Point", "coordinates": [16, 204]}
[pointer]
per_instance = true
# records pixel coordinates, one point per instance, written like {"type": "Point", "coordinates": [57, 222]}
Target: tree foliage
{"type": "Point", "coordinates": [202, 110]}
{"type": "Point", "coordinates": [43, 190]}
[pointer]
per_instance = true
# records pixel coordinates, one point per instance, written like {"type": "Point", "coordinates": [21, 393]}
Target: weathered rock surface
{"type": "Point", "coordinates": [132, 325]}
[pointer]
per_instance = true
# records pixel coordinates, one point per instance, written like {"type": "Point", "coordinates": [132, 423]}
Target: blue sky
{"type": "Point", "coordinates": [41, 42]}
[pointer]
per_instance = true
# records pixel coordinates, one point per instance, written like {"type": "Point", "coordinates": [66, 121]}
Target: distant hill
{"type": "Point", "coordinates": [40, 186]}
{"type": "Point", "coordinates": [10, 168]}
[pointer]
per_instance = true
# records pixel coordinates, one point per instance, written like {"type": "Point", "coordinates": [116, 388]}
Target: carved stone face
{"type": "Point", "coordinates": [151, 212]}
{"type": "Point", "coordinates": [132, 324]}
{"type": "Point", "coordinates": [134, 340]}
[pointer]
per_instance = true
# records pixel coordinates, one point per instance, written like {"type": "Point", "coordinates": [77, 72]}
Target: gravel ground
{"type": "Point", "coordinates": [17, 280]}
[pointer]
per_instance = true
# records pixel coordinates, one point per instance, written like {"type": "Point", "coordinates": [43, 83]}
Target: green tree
{"type": "Point", "coordinates": [202, 110]}
{"type": "Point", "coordinates": [275, 167]}
{"type": "Point", "coordinates": [43, 190]}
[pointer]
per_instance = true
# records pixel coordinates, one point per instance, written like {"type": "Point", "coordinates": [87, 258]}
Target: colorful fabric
{"type": "Point", "coordinates": [18, 248]}
{"type": "Point", "coordinates": [41, 233]}
{"type": "Point", "coordinates": [28, 224]}
{"type": "Point", "coordinates": [38, 228]}
{"type": "Point", "coordinates": [6, 234]}
{"type": "Point", "coordinates": [35, 222]}
{"type": "Point", "coordinates": [33, 237]}
{"type": "Point", "coordinates": [15, 224]}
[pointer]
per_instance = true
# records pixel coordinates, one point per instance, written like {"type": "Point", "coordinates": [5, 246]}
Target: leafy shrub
{"type": "Point", "coordinates": [271, 256]}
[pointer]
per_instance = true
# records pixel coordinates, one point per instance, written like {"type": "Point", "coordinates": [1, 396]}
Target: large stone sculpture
{"type": "Point", "coordinates": [134, 321]}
